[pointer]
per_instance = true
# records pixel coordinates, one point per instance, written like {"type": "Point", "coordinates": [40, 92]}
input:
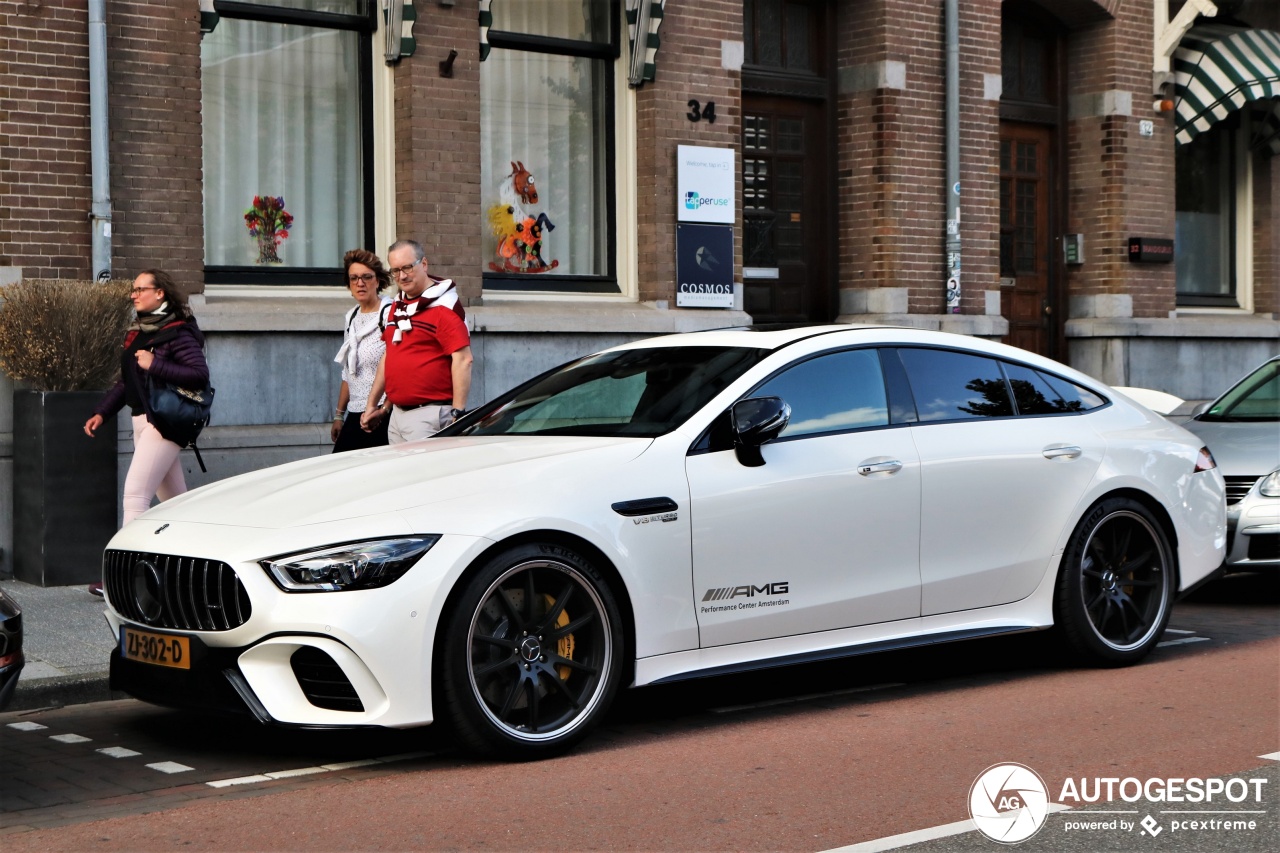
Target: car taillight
{"type": "Point", "coordinates": [1205, 461]}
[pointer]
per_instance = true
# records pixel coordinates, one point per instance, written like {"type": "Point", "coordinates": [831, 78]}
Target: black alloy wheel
{"type": "Point", "coordinates": [531, 653]}
{"type": "Point", "coordinates": [1115, 587]}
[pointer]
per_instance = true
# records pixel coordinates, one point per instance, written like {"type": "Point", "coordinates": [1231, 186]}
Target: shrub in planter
{"type": "Point", "coordinates": [60, 342]}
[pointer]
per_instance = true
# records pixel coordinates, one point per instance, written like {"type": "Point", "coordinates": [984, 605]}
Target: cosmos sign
{"type": "Point", "coordinates": [704, 266]}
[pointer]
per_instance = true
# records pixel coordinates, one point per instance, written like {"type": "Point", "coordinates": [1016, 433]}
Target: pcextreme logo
{"type": "Point", "coordinates": [1008, 803]}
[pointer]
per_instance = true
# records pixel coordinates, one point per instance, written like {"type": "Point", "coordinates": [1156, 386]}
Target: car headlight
{"type": "Point", "coordinates": [355, 565]}
{"type": "Point", "coordinates": [1270, 485]}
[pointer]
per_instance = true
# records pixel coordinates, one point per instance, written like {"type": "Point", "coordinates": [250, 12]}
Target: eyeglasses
{"type": "Point", "coordinates": [367, 278]}
{"type": "Point", "coordinates": [138, 290]}
{"type": "Point", "coordinates": [396, 272]}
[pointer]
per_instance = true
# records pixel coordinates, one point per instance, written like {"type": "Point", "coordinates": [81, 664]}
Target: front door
{"type": "Point", "coordinates": [785, 186]}
{"type": "Point", "coordinates": [1025, 242]}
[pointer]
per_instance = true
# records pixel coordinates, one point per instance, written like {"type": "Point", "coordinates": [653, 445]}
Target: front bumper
{"type": "Point", "coordinates": [1253, 534]}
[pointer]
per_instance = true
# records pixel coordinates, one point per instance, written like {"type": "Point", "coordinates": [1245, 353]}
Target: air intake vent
{"type": "Point", "coordinates": [323, 682]}
{"type": "Point", "coordinates": [1238, 487]}
{"type": "Point", "coordinates": [183, 593]}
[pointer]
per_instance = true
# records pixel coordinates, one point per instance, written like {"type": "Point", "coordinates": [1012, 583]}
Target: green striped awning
{"type": "Point", "coordinates": [398, 17]}
{"type": "Point", "coordinates": [1218, 69]}
{"type": "Point", "coordinates": [644, 60]}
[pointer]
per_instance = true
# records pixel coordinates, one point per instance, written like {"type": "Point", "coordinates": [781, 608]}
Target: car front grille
{"type": "Point", "coordinates": [323, 682]}
{"type": "Point", "coordinates": [165, 591]}
{"type": "Point", "coordinates": [1238, 487]}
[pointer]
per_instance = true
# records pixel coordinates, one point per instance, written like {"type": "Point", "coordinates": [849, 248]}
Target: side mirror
{"type": "Point", "coordinates": [757, 421]}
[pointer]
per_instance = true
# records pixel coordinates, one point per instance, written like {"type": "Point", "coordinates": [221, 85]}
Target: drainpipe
{"type": "Point", "coordinates": [953, 157]}
{"type": "Point", "coordinates": [100, 213]}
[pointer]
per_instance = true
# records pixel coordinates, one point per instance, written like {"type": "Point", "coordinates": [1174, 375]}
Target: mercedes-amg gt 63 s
{"type": "Point", "coordinates": [677, 507]}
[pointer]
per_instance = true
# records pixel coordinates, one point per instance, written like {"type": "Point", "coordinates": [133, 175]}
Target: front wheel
{"type": "Point", "coordinates": [531, 653]}
{"type": "Point", "coordinates": [1115, 586]}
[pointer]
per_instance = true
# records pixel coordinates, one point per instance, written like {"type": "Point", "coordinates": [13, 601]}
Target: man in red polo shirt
{"type": "Point", "coordinates": [426, 370]}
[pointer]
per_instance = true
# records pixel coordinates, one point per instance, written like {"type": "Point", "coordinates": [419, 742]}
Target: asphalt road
{"type": "Point", "coordinates": [879, 752]}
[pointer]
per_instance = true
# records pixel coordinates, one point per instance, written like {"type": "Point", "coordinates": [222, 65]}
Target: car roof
{"type": "Point", "coordinates": [756, 337]}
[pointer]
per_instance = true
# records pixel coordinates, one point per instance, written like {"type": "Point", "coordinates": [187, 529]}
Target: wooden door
{"type": "Point", "coordinates": [785, 190]}
{"type": "Point", "coordinates": [1026, 256]}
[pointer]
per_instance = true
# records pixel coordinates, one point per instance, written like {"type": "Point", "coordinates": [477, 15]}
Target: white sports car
{"type": "Point", "coordinates": [677, 507]}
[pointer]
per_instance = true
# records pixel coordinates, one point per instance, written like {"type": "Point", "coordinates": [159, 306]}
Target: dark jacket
{"type": "Point", "coordinates": [179, 360]}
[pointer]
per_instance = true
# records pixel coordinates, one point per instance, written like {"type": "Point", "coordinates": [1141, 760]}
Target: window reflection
{"type": "Point", "coordinates": [955, 386]}
{"type": "Point", "coordinates": [834, 392]}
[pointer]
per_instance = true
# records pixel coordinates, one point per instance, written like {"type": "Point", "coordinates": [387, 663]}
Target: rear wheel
{"type": "Point", "coordinates": [530, 653]}
{"type": "Point", "coordinates": [1115, 587]}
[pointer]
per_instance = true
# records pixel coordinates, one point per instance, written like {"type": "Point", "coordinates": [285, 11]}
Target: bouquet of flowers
{"type": "Point", "coordinates": [269, 223]}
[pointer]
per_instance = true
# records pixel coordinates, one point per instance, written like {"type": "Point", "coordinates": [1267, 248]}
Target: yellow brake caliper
{"type": "Point", "coordinates": [564, 646]}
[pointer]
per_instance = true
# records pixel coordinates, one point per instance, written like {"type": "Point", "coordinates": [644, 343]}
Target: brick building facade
{"type": "Point", "coordinates": [836, 114]}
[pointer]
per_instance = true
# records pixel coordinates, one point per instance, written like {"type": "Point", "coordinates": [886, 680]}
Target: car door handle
{"type": "Point", "coordinates": [1057, 451]}
{"type": "Point", "coordinates": [879, 466]}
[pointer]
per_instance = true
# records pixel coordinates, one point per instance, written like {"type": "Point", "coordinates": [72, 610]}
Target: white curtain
{"type": "Point", "coordinates": [549, 113]}
{"type": "Point", "coordinates": [281, 118]}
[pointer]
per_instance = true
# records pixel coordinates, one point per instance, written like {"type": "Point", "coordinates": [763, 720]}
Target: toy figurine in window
{"type": "Point", "coordinates": [519, 230]}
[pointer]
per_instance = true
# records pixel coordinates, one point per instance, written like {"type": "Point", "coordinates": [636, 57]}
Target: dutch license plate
{"type": "Point", "coordinates": [158, 649]}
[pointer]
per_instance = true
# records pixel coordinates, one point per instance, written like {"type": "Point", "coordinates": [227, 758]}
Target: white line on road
{"type": "Point", "coordinates": [324, 768]}
{"type": "Point", "coordinates": [170, 767]}
{"type": "Point", "coordinates": [947, 830]}
{"type": "Point", "coordinates": [1271, 756]}
{"type": "Point", "coordinates": [27, 727]}
{"type": "Point", "coordinates": [1183, 641]}
{"type": "Point", "coordinates": [1177, 631]}
{"type": "Point", "coordinates": [118, 752]}
{"type": "Point", "coordinates": [70, 738]}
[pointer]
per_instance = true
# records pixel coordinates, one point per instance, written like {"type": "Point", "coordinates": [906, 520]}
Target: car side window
{"type": "Point", "coordinates": [1075, 397]}
{"type": "Point", "coordinates": [834, 392]}
{"type": "Point", "coordinates": [950, 386]}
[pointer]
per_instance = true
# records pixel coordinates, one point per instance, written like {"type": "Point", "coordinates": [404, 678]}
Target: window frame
{"type": "Point", "coordinates": [365, 24]}
{"type": "Point", "coordinates": [610, 282]}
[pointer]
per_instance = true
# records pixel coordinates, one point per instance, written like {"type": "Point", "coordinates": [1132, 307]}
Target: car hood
{"type": "Point", "coordinates": [393, 479]}
{"type": "Point", "coordinates": [1241, 448]}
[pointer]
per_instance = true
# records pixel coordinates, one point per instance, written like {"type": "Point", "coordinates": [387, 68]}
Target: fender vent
{"type": "Point", "coordinates": [323, 682]}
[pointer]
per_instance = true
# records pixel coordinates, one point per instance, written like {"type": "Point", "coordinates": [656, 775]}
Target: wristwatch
{"type": "Point", "coordinates": [457, 413]}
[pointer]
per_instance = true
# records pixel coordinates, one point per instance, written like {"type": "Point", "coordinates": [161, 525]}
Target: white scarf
{"type": "Point", "coordinates": [348, 354]}
{"type": "Point", "coordinates": [441, 293]}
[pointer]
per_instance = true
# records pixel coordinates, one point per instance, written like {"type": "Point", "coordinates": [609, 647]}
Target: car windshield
{"type": "Point", "coordinates": [638, 392]}
{"type": "Point", "coordinates": [1256, 398]}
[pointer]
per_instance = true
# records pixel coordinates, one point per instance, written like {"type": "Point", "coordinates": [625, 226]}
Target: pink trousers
{"type": "Point", "coordinates": [154, 471]}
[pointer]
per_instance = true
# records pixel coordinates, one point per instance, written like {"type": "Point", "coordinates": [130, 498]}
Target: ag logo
{"type": "Point", "coordinates": [1008, 803]}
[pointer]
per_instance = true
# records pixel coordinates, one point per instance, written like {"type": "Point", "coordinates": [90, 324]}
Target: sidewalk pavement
{"type": "Point", "coordinates": [67, 643]}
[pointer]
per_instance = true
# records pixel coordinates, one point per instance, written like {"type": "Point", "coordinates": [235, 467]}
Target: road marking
{"type": "Point", "coordinates": [947, 830]}
{"type": "Point", "coordinates": [118, 752]}
{"type": "Point", "coordinates": [170, 767]}
{"type": "Point", "coordinates": [27, 727]}
{"type": "Point", "coordinates": [1182, 642]}
{"type": "Point", "coordinates": [1273, 756]}
{"type": "Point", "coordinates": [70, 738]}
{"type": "Point", "coordinates": [792, 700]}
{"type": "Point", "coordinates": [1177, 631]}
{"type": "Point", "coordinates": [324, 768]}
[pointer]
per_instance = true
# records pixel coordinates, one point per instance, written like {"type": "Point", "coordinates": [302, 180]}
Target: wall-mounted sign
{"type": "Point", "coordinates": [1073, 249]}
{"type": "Point", "coordinates": [1150, 250]}
{"type": "Point", "coordinates": [704, 266]}
{"type": "Point", "coordinates": [705, 187]}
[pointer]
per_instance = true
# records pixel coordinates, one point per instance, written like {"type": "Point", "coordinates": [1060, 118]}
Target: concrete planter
{"type": "Point", "coordinates": [64, 488]}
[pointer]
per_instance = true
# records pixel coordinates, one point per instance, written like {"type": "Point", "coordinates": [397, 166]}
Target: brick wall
{"type": "Point", "coordinates": [1121, 183]}
{"type": "Point", "coordinates": [437, 129]}
{"type": "Point", "coordinates": [154, 120]}
{"type": "Point", "coordinates": [689, 67]}
{"type": "Point", "coordinates": [156, 175]}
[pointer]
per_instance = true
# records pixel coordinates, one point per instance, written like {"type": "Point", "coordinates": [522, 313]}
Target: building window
{"type": "Point", "coordinates": [1205, 251]}
{"type": "Point", "coordinates": [287, 117]}
{"type": "Point", "coordinates": [547, 146]}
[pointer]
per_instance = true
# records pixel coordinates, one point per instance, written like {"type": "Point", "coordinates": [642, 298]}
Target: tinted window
{"type": "Point", "coordinates": [954, 386]}
{"type": "Point", "coordinates": [833, 392]}
{"type": "Point", "coordinates": [1257, 398]}
{"type": "Point", "coordinates": [1075, 397]}
{"type": "Point", "coordinates": [639, 392]}
{"type": "Point", "coordinates": [1032, 392]}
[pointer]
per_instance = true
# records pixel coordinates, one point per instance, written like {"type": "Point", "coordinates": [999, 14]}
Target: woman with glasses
{"type": "Point", "coordinates": [163, 342]}
{"type": "Point", "coordinates": [362, 349]}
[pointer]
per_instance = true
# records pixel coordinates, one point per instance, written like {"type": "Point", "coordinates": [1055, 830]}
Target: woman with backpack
{"type": "Point", "coordinates": [163, 343]}
{"type": "Point", "coordinates": [362, 349]}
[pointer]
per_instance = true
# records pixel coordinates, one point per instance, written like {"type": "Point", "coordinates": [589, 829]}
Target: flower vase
{"type": "Point", "coordinates": [267, 248]}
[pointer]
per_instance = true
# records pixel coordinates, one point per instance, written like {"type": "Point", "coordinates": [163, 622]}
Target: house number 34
{"type": "Point", "coordinates": [698, 112]}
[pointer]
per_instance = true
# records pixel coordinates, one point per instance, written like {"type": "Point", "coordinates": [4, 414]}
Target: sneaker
{"type": "Point", "coordinates": [95, 588]}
